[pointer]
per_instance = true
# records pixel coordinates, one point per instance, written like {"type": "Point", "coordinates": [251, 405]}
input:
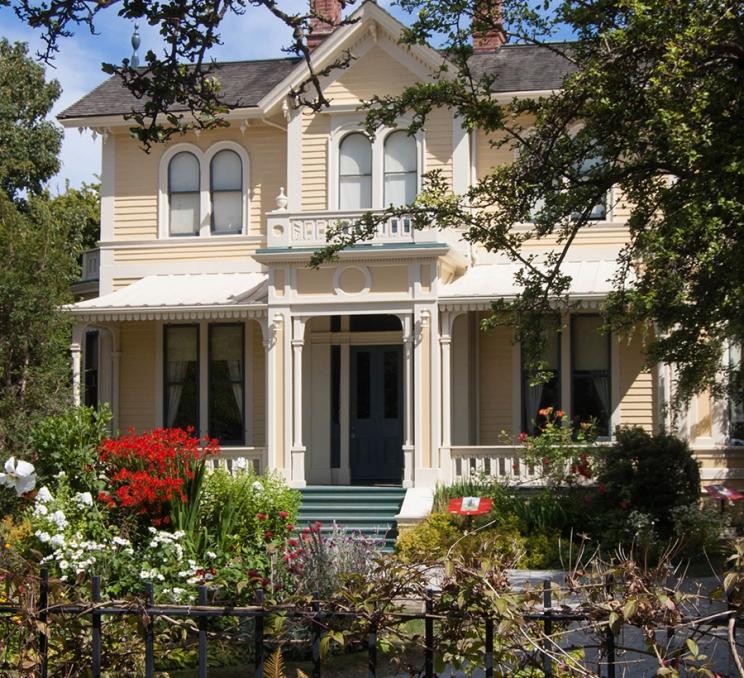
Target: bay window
{"type": "Point", "coordinates": [590, 373]}
{"type": "Point", "coordinates": [538, 396]}
{"type": "Point", "coordinates": [226, 383]}
{"type": "Point", "coordinates": [181, 390]}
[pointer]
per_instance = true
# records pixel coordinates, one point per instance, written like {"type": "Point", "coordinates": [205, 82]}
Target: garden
{"type": "Point", "coordinates": [108, 545]}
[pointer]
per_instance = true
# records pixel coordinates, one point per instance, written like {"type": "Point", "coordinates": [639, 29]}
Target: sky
{"type": "Point", "coordinates": [77, 67]}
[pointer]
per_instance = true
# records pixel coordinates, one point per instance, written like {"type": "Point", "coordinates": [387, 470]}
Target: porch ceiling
{"type": "Point", "coordinates": [171, 297]}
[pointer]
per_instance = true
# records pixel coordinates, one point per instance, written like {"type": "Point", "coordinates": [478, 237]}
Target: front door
{"type": "Point", "coordinates": [376, 445]}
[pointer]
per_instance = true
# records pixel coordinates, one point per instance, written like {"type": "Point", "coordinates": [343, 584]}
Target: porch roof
{"type": "Point", "coordinates": [177, 297]}
{"type": "Point", "coordinates": [590, 280]}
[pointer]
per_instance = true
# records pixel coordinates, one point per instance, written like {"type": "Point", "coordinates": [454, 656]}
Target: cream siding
{"type": "Point", "coordinates": [165, 251]}
{"type": "Point", "coordinates": [637, 384]}
{"type": "Point", "coordinates": [496, 385]}
{"type": "Point", "coordinates": [138, 176]}
{"type": "Point", "coordinates": [439, 143]}
{"type": "Point", "coordinates": [315, 132]}
{"type": "Point", "coordinates": [137, 376]}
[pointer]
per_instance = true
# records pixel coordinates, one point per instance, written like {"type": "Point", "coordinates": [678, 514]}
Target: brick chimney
{"type": "Point", "coordinates": [328, 17]}
{"type": "Point", "coordinates": [488, 31]}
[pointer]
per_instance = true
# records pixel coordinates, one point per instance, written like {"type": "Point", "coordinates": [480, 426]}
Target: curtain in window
{"type": "Point", "coordinates": [226, 181]}
{"type": "Point", "coordinates": [401, 169]}
{"type": "Point", "coordinates": [602, 387]}
{"type": "Point", "coordinates": [180, 352]}
{"type": "Point", "coordinates": [534, 398]}
{"type": "Point", "coordinates": [183, 194]}
{"type": "Point", "coordinates": [226, 382]}
{"type": "Point", "coordinates": [355, 172]}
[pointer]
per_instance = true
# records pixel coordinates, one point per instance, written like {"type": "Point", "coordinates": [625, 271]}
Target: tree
{"type": "Point", "coordinates": [652, 111]}
{"type": "Point", "coordinates": [39, 243]}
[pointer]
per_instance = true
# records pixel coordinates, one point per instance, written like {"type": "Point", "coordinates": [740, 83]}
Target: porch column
{"type": "Point", "coordinates": [297, 471]}
{"type": "Point", "coordinates": [445, 344]}
{"type": "Point", "coordinates": [78, 332]}
{"type": "Point", "coordinates": [408, 448]}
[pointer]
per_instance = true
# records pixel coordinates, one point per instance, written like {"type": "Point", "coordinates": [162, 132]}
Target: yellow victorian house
{"type": "Point", "coordinates": [371, 370]}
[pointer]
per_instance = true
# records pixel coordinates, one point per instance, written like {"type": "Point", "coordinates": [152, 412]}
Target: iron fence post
{"type": "Point", "coordinates": [43, 619]}
{"type": "Point", "coordinates": [429, 635]}
{"type": "Point", "coordinates": [258, 633]}
{"type": "Point", "coordinates": [316, 635]}
{"type": "Point", "coordinates": [149, 634]}
{"type": "Point", "coordinates": [489, 647]}
{"type": "Point", "coordinates": [202, 600]}
{"type": "Point", "coordinates": [372, 648]}
{"type": "Point", "coordinates": [547, 627]}
{"type": "Point", "coordinates": [96, 626]}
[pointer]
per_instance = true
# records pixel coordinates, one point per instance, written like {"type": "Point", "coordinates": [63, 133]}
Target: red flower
{"type": "Point", "coordinates": [290, 527]}
{"type": "Point", "coordinates": [268, 534]}
{"type": "Point", "coordinates": [292, 542]}
{"type": "Point", "coordinates": [261, 516]}
{"type": "Point", "coordinates": [283, 515]}
{"type": "Point", "coordinates": [523, 438]}
{"type": "Point", "coordinates": [602, 488]}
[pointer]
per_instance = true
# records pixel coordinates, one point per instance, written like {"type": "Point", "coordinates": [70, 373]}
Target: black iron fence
{"type": "Point", "coordinates": [202, 612]}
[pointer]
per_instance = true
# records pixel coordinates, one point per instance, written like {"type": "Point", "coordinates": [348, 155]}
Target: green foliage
{"type": "Point", "coordinates": [650, 474]}
{"type": "Point", "coordinates": [430, 540]}
{"type": "Point", "coordinates": [69, 442]}
{"type": "Point", "coordinates": [82, 206]}
{"type": "Point", "coordinates": [238, 511]}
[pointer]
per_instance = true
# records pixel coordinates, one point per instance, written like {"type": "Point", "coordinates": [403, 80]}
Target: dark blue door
{"type": "Point", "coordinates": [376, 453]}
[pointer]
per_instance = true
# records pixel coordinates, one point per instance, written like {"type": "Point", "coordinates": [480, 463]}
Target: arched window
{"type": "Point", "coordinates": [401, 169]}
{"type": "Point", "coordinates": [226, 192]}
{"type": "Point", "coordinates": [355, 172]}
{"type": "Point", "coordinates": [183, 194]}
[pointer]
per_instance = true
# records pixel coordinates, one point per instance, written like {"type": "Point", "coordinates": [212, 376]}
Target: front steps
{"type": "Point", "coordinates": [366, 511]}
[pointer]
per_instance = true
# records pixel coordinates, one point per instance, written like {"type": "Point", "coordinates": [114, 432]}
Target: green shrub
{"type": "Point", "coordinates": [68, 442]}
{"type": "Point", "coordinates": [429, 540]}
{"type": "Point", "coordinates": [652, 475]}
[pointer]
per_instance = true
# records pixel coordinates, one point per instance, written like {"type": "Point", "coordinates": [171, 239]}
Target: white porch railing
{"type": "Point", "coordinates": [502, 462]}
{"type": "Point", "coordinates": [240, 458]}
{"type": "Point", "coordinates": [308, 229]}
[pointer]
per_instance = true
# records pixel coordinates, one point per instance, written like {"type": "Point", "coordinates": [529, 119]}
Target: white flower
{"type": "Point", "coordinates": [43, 495]}
{"type": "Point", "coordinates": [257, 486]}
{"type": "Point", "coordinates": [61, 474]}
{"type": "Point", "coordinates": [63, 564]}
{"type": "Point", "coordinates": [84, 499]}
{"type": "Point", "coordinates": [211, 555]}
{"type": "Point", "coordinates": [43, 536]}
{"type": "Point", "coordinates": [59, 519]}
{"type": "Point", "coordinates": [40, 510]}
{"type": "Point", "coordinates": [58, 541]}
{"type": "Point", "coordinates": [119, 541]}
{"type": "Point", "coordinates": [19, 474]}
{"type": "Point", "coordinates": [240, 463]}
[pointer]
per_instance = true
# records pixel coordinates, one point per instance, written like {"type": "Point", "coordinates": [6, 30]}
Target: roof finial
{"type": "Point", "coordinates": [134, 61]}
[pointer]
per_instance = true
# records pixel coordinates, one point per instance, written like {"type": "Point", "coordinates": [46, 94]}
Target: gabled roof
{"type": "Point", "coordinates": [263, 83]}
{"type": "Point", "coordinates": [244, 84]}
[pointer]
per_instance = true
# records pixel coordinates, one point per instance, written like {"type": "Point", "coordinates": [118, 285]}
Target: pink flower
{"type": "Point", "coordinates": [523, 438]}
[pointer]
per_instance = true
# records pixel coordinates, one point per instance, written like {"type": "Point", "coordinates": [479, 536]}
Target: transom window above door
{"type": "Point", "coordinates": [374, 173]}
{"type": "Point", "coordinates": [203, 193]}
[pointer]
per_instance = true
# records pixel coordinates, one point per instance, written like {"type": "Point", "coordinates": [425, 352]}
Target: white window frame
{"type": "Point", "coordinates": [205, 207]}
{"type": "Point", "coordinates": [343, 124]}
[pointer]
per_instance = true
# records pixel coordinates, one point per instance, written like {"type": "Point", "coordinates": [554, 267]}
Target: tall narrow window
{"type": "Point", "coordinates": [599, 210]}
{"type": "Point", "coordinates": [401, 169]}
{"type": "Point", "coordinates": [91, 368]}
{"type": "Point", "coordinates": [736, 404]}
{"type": "Point", "coordinates": [181, 376]}
{"type": "Point", "coordinates": [226, 383]}
{"type": "Point", "coordinates": [183, 194]}
{"type": "Point", "coordinates": [226, 191]}
{"type": "Point", "coordinates": [538, 396]}
{"type": "Point", "coordinates": [355, 172]}
{"type": "Point", "coordinates": [590, 357]}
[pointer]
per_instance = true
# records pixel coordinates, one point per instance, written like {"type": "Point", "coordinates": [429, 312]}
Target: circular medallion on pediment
{"type": "Point", "coordinates": [352, 280]}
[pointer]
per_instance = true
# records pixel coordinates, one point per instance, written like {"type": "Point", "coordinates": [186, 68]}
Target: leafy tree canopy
{"type": "Point", "coordinates": [651, 116]}
{"type": "Point", "coordinates": [40, 238]}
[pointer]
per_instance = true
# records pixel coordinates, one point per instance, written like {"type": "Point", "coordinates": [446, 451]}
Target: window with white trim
{"type": "Point", "coordinates": [226, 192]}
{"type": "Point", "coordinates": [400, 169]}
{"type": "Point", "coordinates": [736, 405]}
{"type": "Point", "coordinates": [539, 395]}
{"type": "Point", "coordinates": [184, 194]}
{"type": "Point", "coordinates": [590, 373]}
{"type": "Point", "coordinates": [355, 172]}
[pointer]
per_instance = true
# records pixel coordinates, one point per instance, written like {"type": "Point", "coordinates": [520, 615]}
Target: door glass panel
{"type": "Point", "coordinates": [390, 370]}
{"type": "Point", "coordinates": [363, 385]}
